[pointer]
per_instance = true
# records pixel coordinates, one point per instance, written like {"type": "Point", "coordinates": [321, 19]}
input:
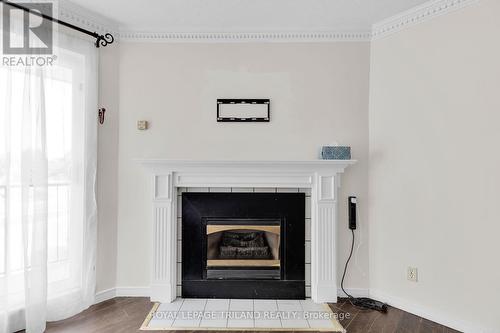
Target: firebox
{"type": "Point", "coordinates": [243, 245]}
{"type": "Point", "coordinates": [243, 249]}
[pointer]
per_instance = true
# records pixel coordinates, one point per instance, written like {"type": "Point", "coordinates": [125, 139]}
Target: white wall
{"type": "Point", "coordinates": [435, 168]}
{"type": "Point", "coordinates": [107, 169]}
{"type": "Point", "coordinates": [318, 92]}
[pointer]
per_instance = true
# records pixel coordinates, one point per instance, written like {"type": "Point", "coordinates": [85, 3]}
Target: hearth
{"type": "Point", "coordinates": [243, 245]}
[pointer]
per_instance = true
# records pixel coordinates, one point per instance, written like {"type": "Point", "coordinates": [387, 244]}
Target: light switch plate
{"type": "Point", "coordinates": [142, 125]}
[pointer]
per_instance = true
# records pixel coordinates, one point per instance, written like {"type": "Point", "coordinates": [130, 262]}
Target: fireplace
{"type": "Point", "coordinates": [243, 245]}
{"type": "Point", "coordinates": [322, 178]}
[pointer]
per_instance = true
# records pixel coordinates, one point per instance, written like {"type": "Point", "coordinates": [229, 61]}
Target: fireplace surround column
{"type": "Point", "coordinates": [324, 238]}
{"type": "Point", "coordinates": [164, 258]}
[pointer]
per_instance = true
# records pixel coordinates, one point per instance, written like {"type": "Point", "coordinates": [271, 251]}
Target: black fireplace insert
{"type": "Point", "coordinates": [243, 245]}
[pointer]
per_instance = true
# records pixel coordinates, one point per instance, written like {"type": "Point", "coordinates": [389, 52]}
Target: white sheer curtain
{"type": "Point", "coordinates": [48, 143]}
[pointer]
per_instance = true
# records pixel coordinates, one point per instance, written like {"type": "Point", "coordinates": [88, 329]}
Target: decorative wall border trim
{"type": "Point", "coordinates": [416, 15]}
{"type": "Point", "coordinates": [95, 22]}
{"type": "Point", "coordinates": [221, 37]}
{"type": "Point", "coordinates": [84, 18]}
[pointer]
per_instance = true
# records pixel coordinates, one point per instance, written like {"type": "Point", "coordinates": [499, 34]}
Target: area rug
{"type": "Point", "coordinates": [241, 315]}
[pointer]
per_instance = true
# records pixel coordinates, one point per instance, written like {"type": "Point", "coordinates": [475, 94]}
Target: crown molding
{"type": "Point", "coordinates": [80, 16]}
{"type": "Point", "coordinates": [417, 15]}
{"type": "Point", "coordinates": [84, 18]}
{"type": "Point", "coordinates": [220, 37]}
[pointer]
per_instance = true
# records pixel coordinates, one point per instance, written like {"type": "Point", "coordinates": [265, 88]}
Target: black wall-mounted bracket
{"type": "Point", "coordinates": [102, 111]}
{"type": "Point", "coordinates": [243, 118]}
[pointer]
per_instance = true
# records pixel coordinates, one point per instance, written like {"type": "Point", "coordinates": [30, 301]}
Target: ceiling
{"type": "Point", "coordinates": [246, 15]}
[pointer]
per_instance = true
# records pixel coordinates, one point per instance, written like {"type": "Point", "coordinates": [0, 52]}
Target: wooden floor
{"type": "Point", "coordinates": [126, 314]}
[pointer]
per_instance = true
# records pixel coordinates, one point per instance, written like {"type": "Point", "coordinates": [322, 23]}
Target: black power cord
{"type": "Point", "coordinates": [361, 302]}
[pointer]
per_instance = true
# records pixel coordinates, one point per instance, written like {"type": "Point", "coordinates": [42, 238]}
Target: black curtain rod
{"type": "Point", "coordinates": [101, 40]}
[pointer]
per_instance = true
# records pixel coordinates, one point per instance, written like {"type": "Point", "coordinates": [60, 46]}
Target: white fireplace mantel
{"type": "Point", "coordinates": [321, 176]}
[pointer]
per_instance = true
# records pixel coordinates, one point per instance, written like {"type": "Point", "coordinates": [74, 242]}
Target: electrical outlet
{"type": "Point", "coordinates": [412, 274]}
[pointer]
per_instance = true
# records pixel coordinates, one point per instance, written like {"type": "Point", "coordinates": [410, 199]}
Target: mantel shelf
{"type": "Point", "coordinates": [235, 165]}
{"type": "Point", "coordinates": [244, 162]}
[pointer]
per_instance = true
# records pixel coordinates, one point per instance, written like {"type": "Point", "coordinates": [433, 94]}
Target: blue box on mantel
{"type": "Point", "coordinates": [336, 153]}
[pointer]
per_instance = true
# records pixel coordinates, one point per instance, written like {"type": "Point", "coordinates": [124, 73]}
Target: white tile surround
{"type": "Point", "coordinates": [319, 178]}
{"type": "Point", "coordinates": [307, 217]}
{"type": "Point", "coordinates": [265, 314]}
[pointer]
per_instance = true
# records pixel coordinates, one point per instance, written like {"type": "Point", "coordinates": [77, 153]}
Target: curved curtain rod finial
{"type": "Point", "coordinates": [104, 40]}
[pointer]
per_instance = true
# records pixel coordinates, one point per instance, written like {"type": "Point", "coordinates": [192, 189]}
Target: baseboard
{"type": "Point", "coordinates": [432, 315]}
{"type": "Point", "coordinates": [104, 295]}
{"type": "Point", "coordinates": [133, 292]}
{"type": "Point", "coordinates": [355, 292]}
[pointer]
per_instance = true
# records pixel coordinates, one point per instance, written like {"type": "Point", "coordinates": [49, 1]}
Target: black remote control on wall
{"type": "Point", "coordinates": [352, 202]}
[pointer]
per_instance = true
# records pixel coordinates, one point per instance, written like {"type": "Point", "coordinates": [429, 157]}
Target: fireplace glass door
{"type": "Point", "coordinates": [243, 249]}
